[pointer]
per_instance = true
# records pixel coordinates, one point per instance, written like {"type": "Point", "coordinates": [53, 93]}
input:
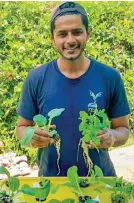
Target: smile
{"type": "Point", "coordinates": [71, 49]}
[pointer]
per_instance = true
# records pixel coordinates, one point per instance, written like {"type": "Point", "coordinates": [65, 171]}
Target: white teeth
{"type": "Point", "coordinates": [71, 49]}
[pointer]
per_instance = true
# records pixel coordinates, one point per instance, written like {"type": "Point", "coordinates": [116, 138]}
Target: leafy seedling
{"type": "Point", "coordinates": [74, 184]}
{"type": "Point", "coordinates": [95, 175]}
{"type": "Point", "coordinates": [40, 193]}
{"type": "Point", "coordinates": [91, 124]}
{"type": "Point", "coordinates": [12, 184]}
{"type": "Point", "coordinates": [121, 190]}
{"type": "Point", "coordinates": [44, 123]}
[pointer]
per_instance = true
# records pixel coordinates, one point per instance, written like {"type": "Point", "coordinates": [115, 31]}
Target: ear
{"type": "Point", "coordinates": [88, 34]}
{"type": "Point", "coordinates": [52, 39]}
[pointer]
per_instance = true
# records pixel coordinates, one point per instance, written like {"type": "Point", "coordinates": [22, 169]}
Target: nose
{"type": "Point", "coordinates": [70, 39]}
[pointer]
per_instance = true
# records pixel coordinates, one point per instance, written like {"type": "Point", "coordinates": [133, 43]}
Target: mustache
{"type": "Point", "coordinates": [71, 47]}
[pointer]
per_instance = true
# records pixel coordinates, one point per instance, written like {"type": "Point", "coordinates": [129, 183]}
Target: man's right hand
{"type": "Point", "coordinates": [41, 138]}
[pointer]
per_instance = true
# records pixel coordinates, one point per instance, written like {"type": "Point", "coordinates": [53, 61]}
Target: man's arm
{"type": "Point", "coordinates": [40, 139]}
{"type": "Point", "coordinates": [21, 126]}
{"type": "Point", "coordinates": [117, 135]}
{"type": "Point", "coordinates": [120, 129]}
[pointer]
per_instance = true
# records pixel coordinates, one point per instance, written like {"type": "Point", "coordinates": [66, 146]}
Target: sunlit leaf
{"type": "Point", "coordinates": [55, 112]}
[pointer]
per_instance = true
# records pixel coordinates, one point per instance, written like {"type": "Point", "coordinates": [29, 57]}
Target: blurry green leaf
{"type": "Point", "coordinates": [28, 135]}
{"type": "Point", "coordinates": [55, 112]}
{"type": "Point", "coordinates": [40, 120]}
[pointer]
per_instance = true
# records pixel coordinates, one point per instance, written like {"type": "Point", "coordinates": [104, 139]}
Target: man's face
{"type": "Point", "coordinates": [70, 36]}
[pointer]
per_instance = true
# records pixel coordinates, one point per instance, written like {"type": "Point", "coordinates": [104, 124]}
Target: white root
{"type": "Point", "coordinates": [78, 149]}
{"type": "Point", "coordinates": [57, 145]}
{"type": "Point", "coordinates": [86, 156]}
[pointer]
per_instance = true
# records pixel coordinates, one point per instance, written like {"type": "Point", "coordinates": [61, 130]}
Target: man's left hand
{"type": "Point", "coordinates": [107, 138]}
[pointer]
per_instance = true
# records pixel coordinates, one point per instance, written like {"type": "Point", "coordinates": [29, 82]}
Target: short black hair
{"type": "Point", "coordinates": [83, 18]}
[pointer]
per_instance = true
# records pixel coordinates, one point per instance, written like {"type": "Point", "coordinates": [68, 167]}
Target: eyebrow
{"type": "Point", "coordinates": [61, 31]}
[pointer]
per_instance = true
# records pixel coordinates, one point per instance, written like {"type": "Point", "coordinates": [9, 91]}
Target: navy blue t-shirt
{"type": "Point", "coordinates": [46, 88]}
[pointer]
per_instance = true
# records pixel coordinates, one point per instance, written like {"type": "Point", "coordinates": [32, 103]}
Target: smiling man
{"type": "Point", "coordinates": [67, 83]}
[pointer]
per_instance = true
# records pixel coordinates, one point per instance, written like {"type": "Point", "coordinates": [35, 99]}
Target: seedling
{"type": "Point", "coordinates": [122, 191]}
{"type": "Point", "coordinates": [91, 124]}
{"type": "Point", "coordinates": [45, 123]}
{"type": "Point", "coordinates": [95, 174]}
{"type": "Point", "coordinates": [74, 184]}
{"type": "Point", "coordinates": [11, 188]}
{"type": "Point", "coordinates": [40, 193]}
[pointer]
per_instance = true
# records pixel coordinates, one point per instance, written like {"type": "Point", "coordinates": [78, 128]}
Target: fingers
{"type": "Point", "coordinates": [40, 141]}
{"type": "Point", "coordinates": [106, 142]}
{"type": "Point", "coordinates": [41, 133]}
{"type": "Point", "coordinates": [104, 137]}
{"type": "Point", "coordinates": [102, 132]}
{"type": "Point", "coordinates": [53, 126]}
{"type": "Point", "coordinates": [41, 138]}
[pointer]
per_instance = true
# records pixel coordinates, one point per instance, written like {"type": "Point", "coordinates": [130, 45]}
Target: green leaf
{"type": "Point", "coordinates": [46, 187]}
{"type": "Point", "coordinates": [86, 138]}
{"type": "Point", "coordinates": [41, 194]}
{"type": "Point", "coordinates": [83, 115]}
{"type": "Point", "coordinates": [108, 181]}
{"type": "Point", "coordinates": [14, 184]}
{"type": "Point", "coordinates": [91, 201]}
{"type": "Point", "coordinates": [54, 189]}
{"type": "Point", "coordinates": [3, 170]}
{"type": "Point", "coordinates": [74, 179]}
{"type": "Point", "coordinates": [26, 189]}
{"type": "Point", "coordinates": [55, 112]}
{"type": "Point", "coordinates": [53, 132]}
{"type": "Point", "coordinates": [82, 126]}
{"type": "Point", "coordinates": [97, 141]}
{"type": "Point", "coordinates": [44, 181]}
{"type": "Point", "coordinates": [40, 120]}
{"type": "Point", "coordinates": [68, 201]}
{"type": "Point", "coordinates": [54, 201]}
{"type": "Point", "coordinates": [29, 133]}
{"type": "Point", "coordinates": [98, 171]}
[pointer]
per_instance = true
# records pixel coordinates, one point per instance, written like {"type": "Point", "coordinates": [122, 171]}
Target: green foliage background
{"type": "Point", "coordinates": [25, 43]}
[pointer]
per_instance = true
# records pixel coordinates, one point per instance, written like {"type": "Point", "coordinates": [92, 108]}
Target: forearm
{"type": "Point", "coordinates": [121, 135]}
{"type": "Point", "coordinates": [20, 131]}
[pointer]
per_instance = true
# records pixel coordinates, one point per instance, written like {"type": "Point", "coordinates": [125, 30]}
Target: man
{"type": "Point", "coordinates": [66, 83]}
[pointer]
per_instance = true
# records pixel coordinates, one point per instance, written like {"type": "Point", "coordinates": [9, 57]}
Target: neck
{"type": "Point", "coordinates": [73, 69]}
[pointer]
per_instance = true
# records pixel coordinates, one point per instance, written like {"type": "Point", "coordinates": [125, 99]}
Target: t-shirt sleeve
{"type": "Point", "coordinates": [118, 105]}
{"type": "Point", "coordinates": [28, 105]}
